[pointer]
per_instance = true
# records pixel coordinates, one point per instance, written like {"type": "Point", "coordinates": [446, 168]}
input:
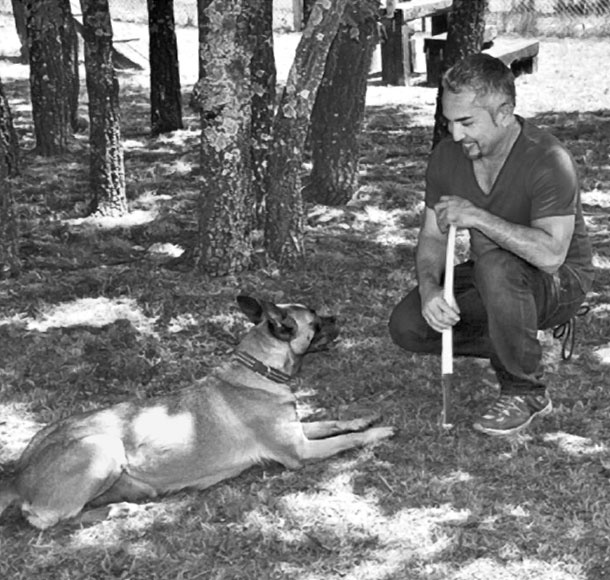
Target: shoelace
{"type": "Point", "coordinates": [504, 403]}
{"type": "Point", "coordinates": [567, 332]}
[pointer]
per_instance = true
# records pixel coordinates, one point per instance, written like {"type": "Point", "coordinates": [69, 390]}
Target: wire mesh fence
{"type": "Point", "coordinates": [551, 17]}
{"type": "Point", "coordinates": [525, 17]}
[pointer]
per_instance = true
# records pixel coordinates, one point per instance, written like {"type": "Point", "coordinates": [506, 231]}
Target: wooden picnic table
{"type": "Point", "coordinates": [421, 8]}
{"type": "Point", "coordinates": [520, 54]}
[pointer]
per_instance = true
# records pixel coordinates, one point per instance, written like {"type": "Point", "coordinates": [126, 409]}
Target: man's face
{"type": "Point", "coordinates": [472, 124]}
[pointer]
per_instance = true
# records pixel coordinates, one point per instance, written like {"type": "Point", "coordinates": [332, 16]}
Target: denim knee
{"type": "Point", "coordinates": [407, 327]}
{"type": "Point", "coordinates": [496, 271]}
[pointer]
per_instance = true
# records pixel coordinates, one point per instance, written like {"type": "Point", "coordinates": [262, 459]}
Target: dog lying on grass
{"type": "Point", "coordinates": [241, 414]}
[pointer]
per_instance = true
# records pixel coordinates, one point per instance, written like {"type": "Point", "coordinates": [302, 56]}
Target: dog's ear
{"type": "Point", "coordinates": [251, 307]}
{"type": "Point", "coordinates": [281, 325]}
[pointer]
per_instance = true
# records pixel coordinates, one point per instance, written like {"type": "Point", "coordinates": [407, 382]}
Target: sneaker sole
{"type": "Point", "coordinates": [507, 432]}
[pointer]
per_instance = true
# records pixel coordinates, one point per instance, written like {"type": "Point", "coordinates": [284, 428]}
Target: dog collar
{"type": "Point", "coordinates": [262, 369]}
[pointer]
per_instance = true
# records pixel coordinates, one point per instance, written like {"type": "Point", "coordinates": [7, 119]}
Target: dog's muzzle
{"type": "Point", "coordinates": [326, 334]}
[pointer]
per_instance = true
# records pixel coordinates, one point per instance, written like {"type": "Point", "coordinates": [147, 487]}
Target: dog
{"type": "Point", "coordinates": [242, 414]}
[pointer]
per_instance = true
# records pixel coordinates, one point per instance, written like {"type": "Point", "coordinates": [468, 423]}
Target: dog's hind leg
{"type": "Point", "coordinates": [123, 492]}
{"type": "Point", "coordinates": [322, 429]}
{"type": "Point", "coordinates": [58, 482]}
{"type": "Point", "coordinates": [125, 489]}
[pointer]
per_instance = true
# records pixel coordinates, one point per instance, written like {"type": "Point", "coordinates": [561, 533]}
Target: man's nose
{"type": "Point", "coordinates": [456, 132]}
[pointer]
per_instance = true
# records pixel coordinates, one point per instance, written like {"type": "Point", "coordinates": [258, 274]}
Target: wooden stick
{"type": "Point", "coordinates": [447, 344]}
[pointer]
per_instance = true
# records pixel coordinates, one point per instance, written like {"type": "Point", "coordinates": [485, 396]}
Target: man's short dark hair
{"type": "Point", "coordinates": [484, 75]}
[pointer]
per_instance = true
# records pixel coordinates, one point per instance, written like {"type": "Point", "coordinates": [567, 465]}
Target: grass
{"type": "Point", "coordinates": [96, 317]}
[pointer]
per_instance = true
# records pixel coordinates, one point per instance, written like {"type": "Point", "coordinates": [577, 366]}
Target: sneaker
{"type": "Point", "coordinates": [510, 414]}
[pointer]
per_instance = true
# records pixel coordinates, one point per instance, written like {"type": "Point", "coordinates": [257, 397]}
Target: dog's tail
{"type": "Point", "coordinates": [8, 494]}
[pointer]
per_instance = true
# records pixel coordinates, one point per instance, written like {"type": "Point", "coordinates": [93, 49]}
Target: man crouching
{"type": "Point", "coordinates": [515, 188]}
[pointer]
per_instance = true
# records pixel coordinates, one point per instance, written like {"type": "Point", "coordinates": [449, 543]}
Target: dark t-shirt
{"type": "Point", "coordinates": [538, 180]}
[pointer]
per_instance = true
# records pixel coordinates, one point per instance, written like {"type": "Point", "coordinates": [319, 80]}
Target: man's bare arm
{"type": "Point", "coordinates": [544, 243]}
{"type": "Point", "coordinates": [430, 263]}
{"type": "Point", "coordinates": [430, 257]}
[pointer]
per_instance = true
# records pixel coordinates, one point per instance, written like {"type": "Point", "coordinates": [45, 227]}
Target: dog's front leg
{"type": "Point", "coordinates": [322, 429]}
{"type": "Point", "coordinates": [317, 449]}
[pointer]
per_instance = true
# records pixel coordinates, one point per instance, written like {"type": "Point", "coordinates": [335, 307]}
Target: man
{"type": "Point", "coordinates": [515, 188]}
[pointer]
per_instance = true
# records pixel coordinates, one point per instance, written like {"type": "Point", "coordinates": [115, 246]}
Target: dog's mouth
{"type": "Point", "coordinates": [326, 335]}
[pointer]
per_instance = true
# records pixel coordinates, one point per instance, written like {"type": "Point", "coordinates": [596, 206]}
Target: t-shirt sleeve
{"type": "Point", "coordinates": [554, 185]}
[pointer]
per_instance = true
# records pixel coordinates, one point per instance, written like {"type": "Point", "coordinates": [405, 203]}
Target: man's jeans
{"type": "Point", "coordinates": [503, 302]}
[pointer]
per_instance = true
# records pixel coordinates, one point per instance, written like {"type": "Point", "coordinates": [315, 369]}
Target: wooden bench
{"type": "Point", "coordinates": [397, 47]}
{"type": "Point", "coordinates": [120, 59]}
{"type": "Point", "coordinates": [434, 47]}
{"type": "Point", "coordinates": [520, 54]}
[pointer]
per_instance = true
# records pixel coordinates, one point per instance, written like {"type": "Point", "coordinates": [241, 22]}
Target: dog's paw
{"type": "Point", "coordinates": [362, 423]}
{"type": "Point", "coordinates": [377, 434]}
{"type": "Point", "coordinates": [124, 509]}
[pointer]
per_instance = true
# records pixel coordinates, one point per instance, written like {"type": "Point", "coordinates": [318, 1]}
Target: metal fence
{"type": "Point", "coordinates": [525, 17]}
{"type": "Point", "coordinates": [551, 17]}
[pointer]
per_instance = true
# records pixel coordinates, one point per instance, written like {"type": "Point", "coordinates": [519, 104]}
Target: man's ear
{"type": "Point", "coordinates": [251, 307]}
{"type": "Point", "coordinates": [504, 114]}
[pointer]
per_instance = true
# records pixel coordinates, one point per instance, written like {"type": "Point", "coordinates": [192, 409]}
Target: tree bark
{"type": "Point", "coordinates": [9, 144]}
{"type": "Point", "coordinates": [9, 167]}
{"type": "Point", "coordinates": [307, 8]}
{"type": "Point", "coordinates": [70, 57]}
{"type": "Point", "coordinates": [464, 37]}
{"type": "Point", "coordinates": [263, 103]}
{"type": "Point", "coordinates": [226, 210]}
{"type": "Point", "coordinates": [339, 108]}
{"type": "Point", "coordinates": [284, 228]}
{"type": "Point", "coordinates": [107, 172]}
{"type": "Point", "coordinates": [20, 26]}
{"type": "Point", "coordinates": [165, 98]}
{"type": "Point", "coordinates": [50, 30]}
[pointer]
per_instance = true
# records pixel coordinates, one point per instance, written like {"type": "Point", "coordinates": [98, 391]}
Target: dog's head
{"type": "Point", "coordinates": [299, 326]}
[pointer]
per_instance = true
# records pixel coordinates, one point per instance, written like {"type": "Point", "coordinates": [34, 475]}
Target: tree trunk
{"type": "Point", "coordinates": [165, 99]}
{"type": "Point", "coordinates": [263, 103]}
{"type": "Point", "coordinates": [20, 26]}
{"type": "Point", "coordinates": [284, 217]}
{"type": "Point", "coordinates": [107, 172]}
{"type": "Point", "coordinates": [9, 144]}
{"type": "Point", "coordinates": [307, 8]}
{"type": "Point", "coordinates": [10, 264]}
{"type": "Point", "coordinates": [464, 37]}
{"type": "Point", "coordinates": [339, 109]}
{"type": "Point", "coordinates": [9, 167]}
{"type": "Point", "coordinates": [51, 79]}
{"type": "Point", "coordinates": [226, 210]}
{"type": "Point", "coordinates": [70, 57]}
{"type": "Point", "coordinates": [203, 24]}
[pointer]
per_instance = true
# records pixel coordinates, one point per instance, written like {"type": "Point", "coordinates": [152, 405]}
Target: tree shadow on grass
{"type": "Point", "coordinates": [461, 497]}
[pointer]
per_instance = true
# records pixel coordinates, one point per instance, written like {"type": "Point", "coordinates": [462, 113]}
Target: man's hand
{"type": "Point", "coordinates": [437, 313]}
{"type": "Point", "coordinates": [455, 210]}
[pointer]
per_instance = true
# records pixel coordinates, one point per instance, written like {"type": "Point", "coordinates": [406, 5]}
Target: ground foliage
{"type": "Point", "coordinates": [102, 312]}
